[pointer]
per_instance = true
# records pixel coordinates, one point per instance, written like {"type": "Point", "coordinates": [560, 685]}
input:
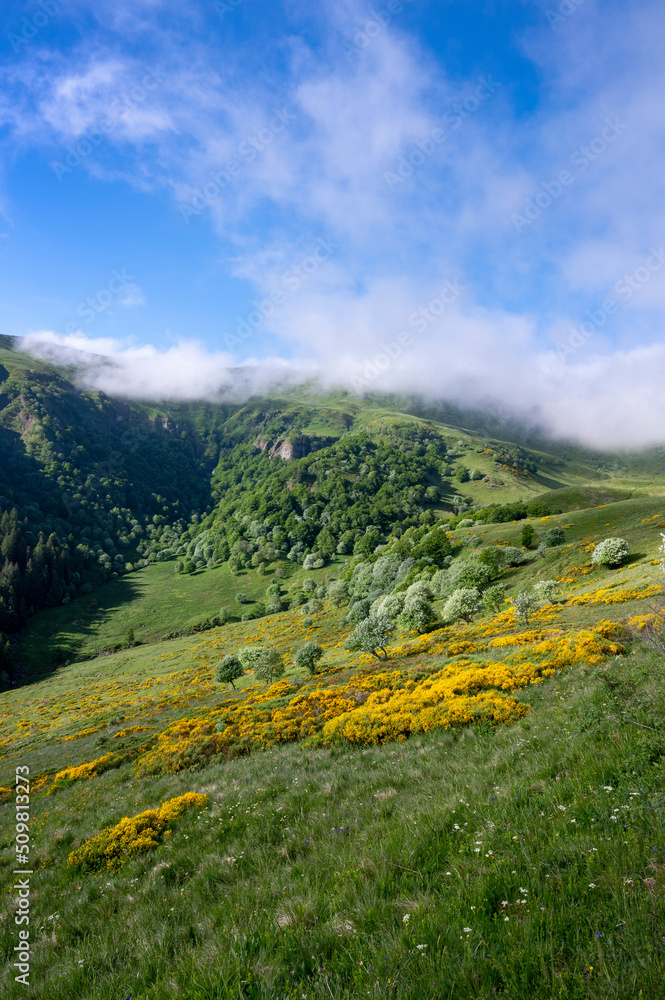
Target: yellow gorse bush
{"type": "Point", "coordinates": [607, 595]}
{"type": "Point", "coordinates": [90, 770]}
{"type": "Point", "coordinates": [132, 835]}
{"type": "Point", "coordinates": [378, 705]}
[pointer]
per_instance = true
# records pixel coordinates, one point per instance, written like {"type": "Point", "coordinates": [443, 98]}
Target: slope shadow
{"type": "Point", "coordinates": [54, 637]}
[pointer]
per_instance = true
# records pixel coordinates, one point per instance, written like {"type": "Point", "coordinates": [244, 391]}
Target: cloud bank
{"type": "Point", "coordinates": [480, 252]}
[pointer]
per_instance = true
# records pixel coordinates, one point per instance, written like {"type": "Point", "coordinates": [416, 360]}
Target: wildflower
{"type": "Point", "coordinates": [406, 918]}
{"type": "Point", "coordinates": [467, 930]}
{"type": "Point", "coordinates": [504, 902]}
{"type": "Point", "coordinates": [592, 885]}
{"type": "Point", "coordinates": [421, 947]}
{"type": "Point", "coordinates": [506, 918]}
{"type": "Point", "coordinates": [562, 808]}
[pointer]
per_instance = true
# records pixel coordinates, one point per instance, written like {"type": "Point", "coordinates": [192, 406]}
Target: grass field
{"type": "Point", "coordinates": [479, 816]}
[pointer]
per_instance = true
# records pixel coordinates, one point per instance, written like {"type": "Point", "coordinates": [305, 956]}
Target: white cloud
{"type": "Point", "coordinates": [323, 174]}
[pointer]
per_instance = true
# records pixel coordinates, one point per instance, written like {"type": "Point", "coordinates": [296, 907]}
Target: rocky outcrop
{"type": "Point", "coordinates": [294, 448]}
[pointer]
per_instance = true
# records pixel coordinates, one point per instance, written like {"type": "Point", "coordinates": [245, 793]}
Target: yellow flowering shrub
{"type": "Point", "coordinates": [607, 595]}
{"type": "Point", "coordinates": [459, 648]}
{"type": "Point", "coordinates": [132, 835]}
{"type": "Point", "coordinates": [90, 770]}
{"type": "Point", "coordinates": [130, 730]}
{"type": "Point", "coordinates": [84, 732]}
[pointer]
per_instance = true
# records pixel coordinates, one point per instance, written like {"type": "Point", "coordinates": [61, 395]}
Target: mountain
{"type": "Point", "coordinates": [314, 695]}
{"type": "Point", "coordinates": [93, 487]}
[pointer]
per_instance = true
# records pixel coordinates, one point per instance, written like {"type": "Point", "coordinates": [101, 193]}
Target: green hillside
{"type": "Point", "coordinates": [461, 796]}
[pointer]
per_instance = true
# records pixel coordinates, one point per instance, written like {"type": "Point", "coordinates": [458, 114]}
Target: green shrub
{"type": "Point", "coordinates": [528, 536]}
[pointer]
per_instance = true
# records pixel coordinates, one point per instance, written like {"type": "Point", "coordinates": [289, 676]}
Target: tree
{"type": "Point", "coordinates": [463, 603]}
{"type": "Point", "coordinates": [512, 556]}
{"type": "Point", "coordinates": [546, 589]}
{"type": "Point", "coordinates": [493, 558]}
{"type": "Point", "coordinates": [391, 606]}
{"type": "Point", "coordinates": [308, 656]}
{"type": "Point", "coordinates": [358, 611]}
{"type": "Point", "coordinates": [228, 670]}
{"type": "Point", "coordinates": [462, 474]}
{"type": "Point", "coordinates": [129, 638]}
{"type": "Point", "coordinates": [528, 536]}
{"type": "Point", "coordinates": [371, 635]}
{"type": "Point", "coordinates": [494, 598]}
{"type": "Point", "coordinates": [241, 597]}
{"type": "Point", "coordinates": [610, 552]}
{"type": "Point", "coordinates": [338, 593]}
{"type": "Point", "coordinates": [554, 537]}
{"type": "Point", "coordinates": [249, 656]}
{"type": "Point", "coordinates": [418, 614]}
{"type": "Point", "coordinates": [268, 666]}
{"type": "Point", "coordinates": [526, 605]}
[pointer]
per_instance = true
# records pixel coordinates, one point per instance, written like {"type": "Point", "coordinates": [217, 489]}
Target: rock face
{"type": "Point", "coordinates": [291, 450]}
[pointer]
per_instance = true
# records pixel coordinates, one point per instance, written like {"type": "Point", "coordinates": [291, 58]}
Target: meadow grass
{"type": "Point", "coordinates": [153, 602]}
{"type": "Point", "coordinates": [523, 860]}
{"type": "Point", "coordinates": [317, 872]}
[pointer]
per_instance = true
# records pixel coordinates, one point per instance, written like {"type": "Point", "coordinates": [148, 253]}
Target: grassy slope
{"type": "Point", "coordinates": [155, 601]}
{"type": "Point", "coordinates": [299, 876]}
{"type": "Point", "coordinates": [267, 893]}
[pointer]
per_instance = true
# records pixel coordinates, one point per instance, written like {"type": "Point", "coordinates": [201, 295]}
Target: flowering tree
{"type": "Point", "coordinates": [371, 635]}
{"type": "Point", "coordinates": [526, 605]}
{"type": "Point", "coordinates": [463, 603]}
{"type": "Point", "coordinates": [545, 590]}
{"type": "Point", "coordinates": [610, 552]}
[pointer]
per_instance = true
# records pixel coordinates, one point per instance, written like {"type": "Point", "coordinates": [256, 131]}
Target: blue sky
{"type": "Point", "coordinates": [457, 197]}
